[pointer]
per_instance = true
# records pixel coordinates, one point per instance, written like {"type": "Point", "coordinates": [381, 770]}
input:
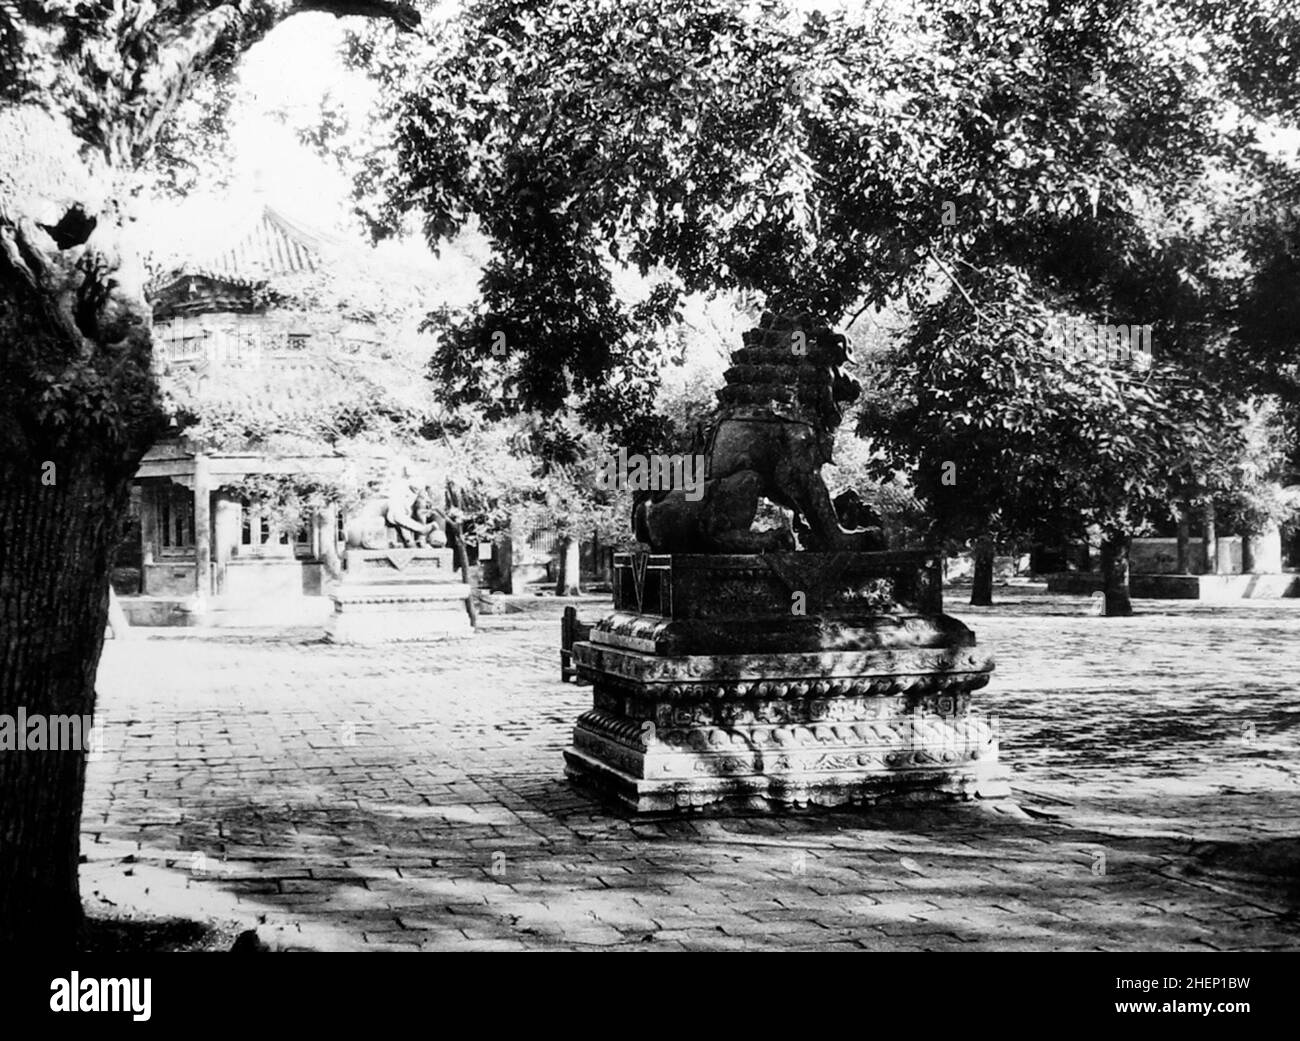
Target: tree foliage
{"type": "Point", "coordinates": [1011, 438]}
{"type": "Point", "coordinates": [711, 143]}
{"type": "Point", "coordinates": [1089, 185]}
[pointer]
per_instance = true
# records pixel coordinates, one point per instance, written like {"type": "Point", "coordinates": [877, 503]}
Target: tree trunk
{"type": "Point", "coordinates": [1183, 562]}
{"type": "Point", "coordinates": [1114, 570]}
{"type": "Point", "coordinates": [503, 560]}
{"type": "Point", "coordinates": [326, 524]}
{"type": "Point", "coordinates": [981, 590]}
{"type": "Point", "coordinates": [568, 581]}
{"type": "Point", "coordinates": [462, 561]}
{"type": "Point", "coordinates": [455, 506]}
{"type": "Point", "coordinates": [1211, 540]}
{"type": "Point", "coordinates": [55, 548]}
{"type": "Point", "coordinates": [80, 407]}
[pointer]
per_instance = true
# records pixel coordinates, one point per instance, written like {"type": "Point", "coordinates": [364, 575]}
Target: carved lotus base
{"type": "Point", "coordinates": [770, 791]}
{"type": "Point", "coordinates": [828, 729]}
{"type": "Point", "coordinates": [844, 706]}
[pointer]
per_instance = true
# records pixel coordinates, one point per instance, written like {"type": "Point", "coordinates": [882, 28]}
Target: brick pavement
{"type": "Point", "coordinates": [412, 797]}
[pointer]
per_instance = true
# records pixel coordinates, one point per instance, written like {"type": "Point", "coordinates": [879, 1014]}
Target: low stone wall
{"type": "Point", "coordinates": [1159, 556]}
{"type": "Point", "coordinates": [1155, 587]}
{"type": "Point", "coordinates": [219, 613]}
{"type": "Point", "coordinates": [1184, 587]}
{"type": "Point", "coordinates": [254, 579]}
{"type": "Point", "coordinates": [960, 567]}
{"type": "Point", "coordinates": [168, 578]}
{"type": "Point", "coordinates": [1258, 587]}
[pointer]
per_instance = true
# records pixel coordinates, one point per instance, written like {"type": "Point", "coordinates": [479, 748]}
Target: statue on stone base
{"type": "Point", "coordinates": [402, 515]}
{"type": "Point", "coordinates": [425, 511]}
{"type": "Point", "coordinates": [827, 677]}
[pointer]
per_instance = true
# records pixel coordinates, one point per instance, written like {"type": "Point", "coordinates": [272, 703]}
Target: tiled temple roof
{"type": "Point", "coordinates": [273, 246]}
{"type": "Point", "coordinates": [301, 330]}
{"type": "Point", "coordinates": [256, 258]}
{"type": "Point", "coordinates": [269, 250]}
{"type": "Point", "coordinates": [267, 245]}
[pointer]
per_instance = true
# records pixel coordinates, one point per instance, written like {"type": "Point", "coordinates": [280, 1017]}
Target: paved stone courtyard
{"type": "Point", "coordinates": [413, 796]}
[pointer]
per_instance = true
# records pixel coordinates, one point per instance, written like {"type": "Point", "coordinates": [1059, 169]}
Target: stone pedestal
{"type": "Point", "coordinates": [391, 595]}
{"type": "Point", "coordinates": [1229, 555]}
{"type": "Point", "coordinates": [782, 679]}
{"type": "Point", "coordinates": [1265, 552]}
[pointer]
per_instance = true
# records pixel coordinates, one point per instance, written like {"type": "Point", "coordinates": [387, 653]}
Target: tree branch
{"type": "Point", "coordinates": [858, 314]}
{"type": "Point", "coordinates": [960, 288]}
{"type": "Point", "coordinates": [403, 15]}
{"type": "Point", "coordinates": [192, 48]}
{"type": "Point", "coordinates": [167, 78]}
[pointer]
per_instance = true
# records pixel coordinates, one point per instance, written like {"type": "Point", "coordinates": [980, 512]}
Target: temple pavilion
{"type": "Point", "coordinates": [285, 354]}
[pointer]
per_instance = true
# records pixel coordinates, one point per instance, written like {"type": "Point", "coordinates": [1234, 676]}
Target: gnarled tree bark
{"type": "Point", "coordinates": [981, 589]}
{"type": "Point", "coordinates": [1114, 573]}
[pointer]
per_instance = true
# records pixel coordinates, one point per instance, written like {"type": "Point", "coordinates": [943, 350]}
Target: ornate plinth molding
{"type": "Point", "coordinates": [399, 595]}
{"type": "Point", "coordinates": [768, 720]}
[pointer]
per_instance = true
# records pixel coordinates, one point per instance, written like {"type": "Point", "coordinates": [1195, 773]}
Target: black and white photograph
{"type": "Point", "coordinates": [658, 476]}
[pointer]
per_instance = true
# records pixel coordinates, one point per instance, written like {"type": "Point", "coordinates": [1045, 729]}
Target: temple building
{"type": "Point", "coordinates": [277, 380]}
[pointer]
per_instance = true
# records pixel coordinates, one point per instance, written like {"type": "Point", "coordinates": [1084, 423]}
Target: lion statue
{"type": "Point", "coordinates": [401, 515]}
{"type": "Point", "coordinates": [781, 404]}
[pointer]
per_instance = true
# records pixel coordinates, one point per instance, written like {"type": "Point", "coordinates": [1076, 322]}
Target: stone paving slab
{"type": "Point", "coordinates": [412, 797]}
